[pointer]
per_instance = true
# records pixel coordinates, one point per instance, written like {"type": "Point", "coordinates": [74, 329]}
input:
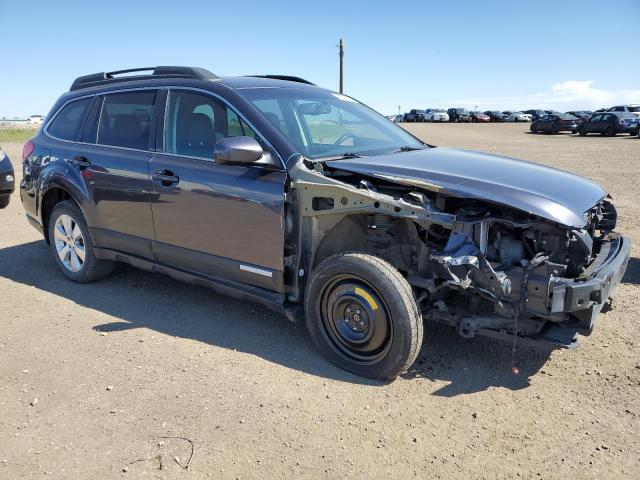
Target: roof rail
{"type": "Point", "coordinates": [289, 78]}
{"type": "Point", "coordinates": [103, 78]}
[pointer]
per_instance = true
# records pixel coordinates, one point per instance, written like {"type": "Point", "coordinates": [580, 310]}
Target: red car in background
{"type": "Point", "coordinates": [479, 117]}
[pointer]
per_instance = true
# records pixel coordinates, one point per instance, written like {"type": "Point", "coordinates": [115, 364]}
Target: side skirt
{"type": "Point", "coordinates": [274, 301]}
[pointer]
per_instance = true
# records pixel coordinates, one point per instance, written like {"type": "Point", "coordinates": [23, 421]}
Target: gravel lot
{"type": "Point", "coordinates": [99, 380]}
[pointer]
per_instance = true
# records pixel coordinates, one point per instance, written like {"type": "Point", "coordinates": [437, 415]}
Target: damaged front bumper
{"type": "Point", "coordinates": [584, 297]}
{"type": "Point", "coordinates": [555, 310]}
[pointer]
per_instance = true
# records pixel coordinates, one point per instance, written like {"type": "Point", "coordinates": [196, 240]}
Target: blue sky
{"type": "Point", "coordinates": [416, 54]}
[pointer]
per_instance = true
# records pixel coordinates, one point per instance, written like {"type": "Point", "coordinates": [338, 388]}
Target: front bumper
{"type": "Point", "coordinates": [584, 298]}
{"type": "Point", "coordinates": [7, 182]}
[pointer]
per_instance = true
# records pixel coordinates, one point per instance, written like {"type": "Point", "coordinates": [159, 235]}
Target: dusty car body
{"type": "Point", "coordinates": [319, 208]}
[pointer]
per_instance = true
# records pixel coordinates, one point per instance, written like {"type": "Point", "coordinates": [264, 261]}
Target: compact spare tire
{"type": "Point", "coordinates": [362, 316]}
{"type": "Point", "coordinates": [71, 245]}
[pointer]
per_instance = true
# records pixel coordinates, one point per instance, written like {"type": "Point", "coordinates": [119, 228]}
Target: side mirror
{"type": "Point", "coordinates": [239, 150]}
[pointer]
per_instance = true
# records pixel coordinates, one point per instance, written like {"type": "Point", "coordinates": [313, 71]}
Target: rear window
{"type": "Point", "coordinates": [635, 108]}
{"type": "Point", "coordinates": [566, 116]}
{"type": "Point", "coordinates": [126, 120]}
{"type": "Point", "coordinates": [66, 124]}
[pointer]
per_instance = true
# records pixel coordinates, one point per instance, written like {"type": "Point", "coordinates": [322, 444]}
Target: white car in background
{"type": "Point", "coordinates": [517, 117]}
{"type": "Point", "coordinates": [634, 109]}
{"type": "Point", "coordinates": [35, 120]}
{"type": "Point", "coordinates": [436, 115]}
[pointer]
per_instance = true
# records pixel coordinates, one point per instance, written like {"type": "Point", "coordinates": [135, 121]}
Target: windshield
{"type": "Point", "coordinates": [566, 116]}
{"type": "Point", "coordinates": [438, 110]}
{"type": "Point", "coordinates": [324, 124]}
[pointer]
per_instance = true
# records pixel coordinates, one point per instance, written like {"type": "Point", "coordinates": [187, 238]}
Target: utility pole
{"type": "Point", "coordinates": [341, 45]}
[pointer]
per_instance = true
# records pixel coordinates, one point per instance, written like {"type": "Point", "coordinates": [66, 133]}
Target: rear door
{"type": "Point", "coordinates": [113, 158]}
{"type": "Point", "coordinates": [225, 221]}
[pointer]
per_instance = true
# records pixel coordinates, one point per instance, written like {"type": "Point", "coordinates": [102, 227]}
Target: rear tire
{"type": "Point", "coordinates": [610, 132]}
{"type": "Point", "coordinates": [72, 246]}
{"type": "Point", "coordinates": [4, 200]}
{"type": "Point", "coordinates": [582, 132]}
{"type": "Point", "coordinates": [362, 316]}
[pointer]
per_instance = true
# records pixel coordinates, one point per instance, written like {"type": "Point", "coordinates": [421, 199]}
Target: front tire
{"type": "Point", "coordinates": [4, 200]}
{"type": "Point", "coordinates": [72, 247]}
{"type": "Point", "coordinates": [362, 316]}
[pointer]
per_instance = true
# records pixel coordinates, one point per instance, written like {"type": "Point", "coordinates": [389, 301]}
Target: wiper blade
{"type": "Point", "coordinates": [344, 156]}
{"type": "Point", "coordinates": [406, 148]}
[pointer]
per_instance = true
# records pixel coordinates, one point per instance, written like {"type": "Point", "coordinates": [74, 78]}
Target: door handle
{"type": "Point", "coordinates": [166, 178]}
{"type": "Point", "coordinates": [82, 162]}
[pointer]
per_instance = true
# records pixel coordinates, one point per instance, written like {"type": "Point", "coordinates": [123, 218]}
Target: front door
{"type": "Point", "coordinates": [224, 221]}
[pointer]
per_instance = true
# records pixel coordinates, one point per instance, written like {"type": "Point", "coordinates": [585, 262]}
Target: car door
{"type": "Point", "coordinates": [225, 221]}
{"type": "Point", "coordinates": [113, 157]}
{"type": "Point", "coordinates": [594, 124]}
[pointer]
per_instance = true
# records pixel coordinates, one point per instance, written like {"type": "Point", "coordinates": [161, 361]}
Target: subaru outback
{"type": "Point", "coordinates": [271, 189]}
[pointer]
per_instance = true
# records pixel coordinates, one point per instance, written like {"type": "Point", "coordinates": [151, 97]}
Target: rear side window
{"type": "Point", "coordinates": [67, 123]}
{"type": "Point", "coordinates": [126, 120]}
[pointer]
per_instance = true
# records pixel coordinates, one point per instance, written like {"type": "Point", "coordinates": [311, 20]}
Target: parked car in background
{"type": "Point", "coordinates": [479, 117]}
{"type": "Point", "coordinates": [459, 115]}
{"type": "Point", "coordinates": [495, 116]}
{"type": "Point", "coordinates": [436, 115]}
{"type": "Point", "coordinates": [559, 122]}
{"type": "Point", "coordinates": [610, 124]}
{"type": "Point", "coordinates": [516, 116]}
{"type": "Point", "coordinates": [35, 119]}
{"type": "Point", "coordinates": [414, 116]}
{"type": "Point", "coordinates": [581, 114]}
{"type": "Point", "coordinates": [7, 179]}
{"type": "Point", "coordinates": [398, 119]}
{"type": "Point", "coordinates": [391, 118]}
{"type": "Point", "coordinates": [635, 109]}
{"type": "Point", "coordinates": [536, 114]}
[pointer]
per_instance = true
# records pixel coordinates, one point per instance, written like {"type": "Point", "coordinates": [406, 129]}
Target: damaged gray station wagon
{"type": "Point", "coordinates": [271, 189]}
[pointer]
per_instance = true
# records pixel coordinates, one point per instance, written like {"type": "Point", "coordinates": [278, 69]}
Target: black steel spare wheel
{"type": "Point", "coordinates": [355, 319]}
{"type": "Point", "coordinates": [362, 315]}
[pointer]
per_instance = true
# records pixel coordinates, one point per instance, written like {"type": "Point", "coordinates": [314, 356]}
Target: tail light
{"type": "Point", "coordinates": [27, 149]}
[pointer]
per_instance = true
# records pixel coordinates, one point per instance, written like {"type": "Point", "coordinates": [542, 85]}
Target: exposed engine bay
{"type": "Point", "coordinates": [479, 266]}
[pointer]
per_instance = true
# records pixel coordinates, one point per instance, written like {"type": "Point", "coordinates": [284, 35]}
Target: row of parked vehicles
{"type": "Point", "coordinates": [461, 115]}
{"type": "Point", "coordinates": [610, 122]}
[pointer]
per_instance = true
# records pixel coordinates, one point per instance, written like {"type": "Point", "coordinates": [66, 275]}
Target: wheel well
{"type": "Point", "coordinates": [349, 234]}
{"type": "Point", "coordinates": [51, 198]}
{"type": "Point", "coordinates": [388, 237]}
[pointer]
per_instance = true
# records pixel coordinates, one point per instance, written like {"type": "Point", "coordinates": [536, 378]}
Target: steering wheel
{"type": "Point", "coordinates": [342, 138]}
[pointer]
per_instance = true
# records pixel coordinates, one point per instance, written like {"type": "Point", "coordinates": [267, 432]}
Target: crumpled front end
{"type": "Point", "coordinates": [542, 281]}
{"type": "Point", "coordinates": [482, 267]}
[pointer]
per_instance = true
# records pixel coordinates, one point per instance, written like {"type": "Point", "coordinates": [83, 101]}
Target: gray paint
{"type": "Point", "coordinates": [547, 192]}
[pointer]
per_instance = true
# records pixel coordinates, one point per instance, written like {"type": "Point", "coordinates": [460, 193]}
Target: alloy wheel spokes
{"type": "Point", "coordinates": [69, 243]}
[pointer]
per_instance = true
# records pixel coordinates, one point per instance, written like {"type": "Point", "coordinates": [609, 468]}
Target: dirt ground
{"type": "Point", "coordinates": [100, 380]}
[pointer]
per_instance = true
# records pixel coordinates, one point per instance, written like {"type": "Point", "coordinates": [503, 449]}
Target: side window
{"type": "Point", "coordinates": [126, 120]}
{"type": "Point", "coordinates": [90, 133]}
{"type": "Point", "coordinates": [195, 122]}
{"type": "Point", "coordinates": [618, 109]}
{"type": "Point", "coordinates": [66, 124]}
